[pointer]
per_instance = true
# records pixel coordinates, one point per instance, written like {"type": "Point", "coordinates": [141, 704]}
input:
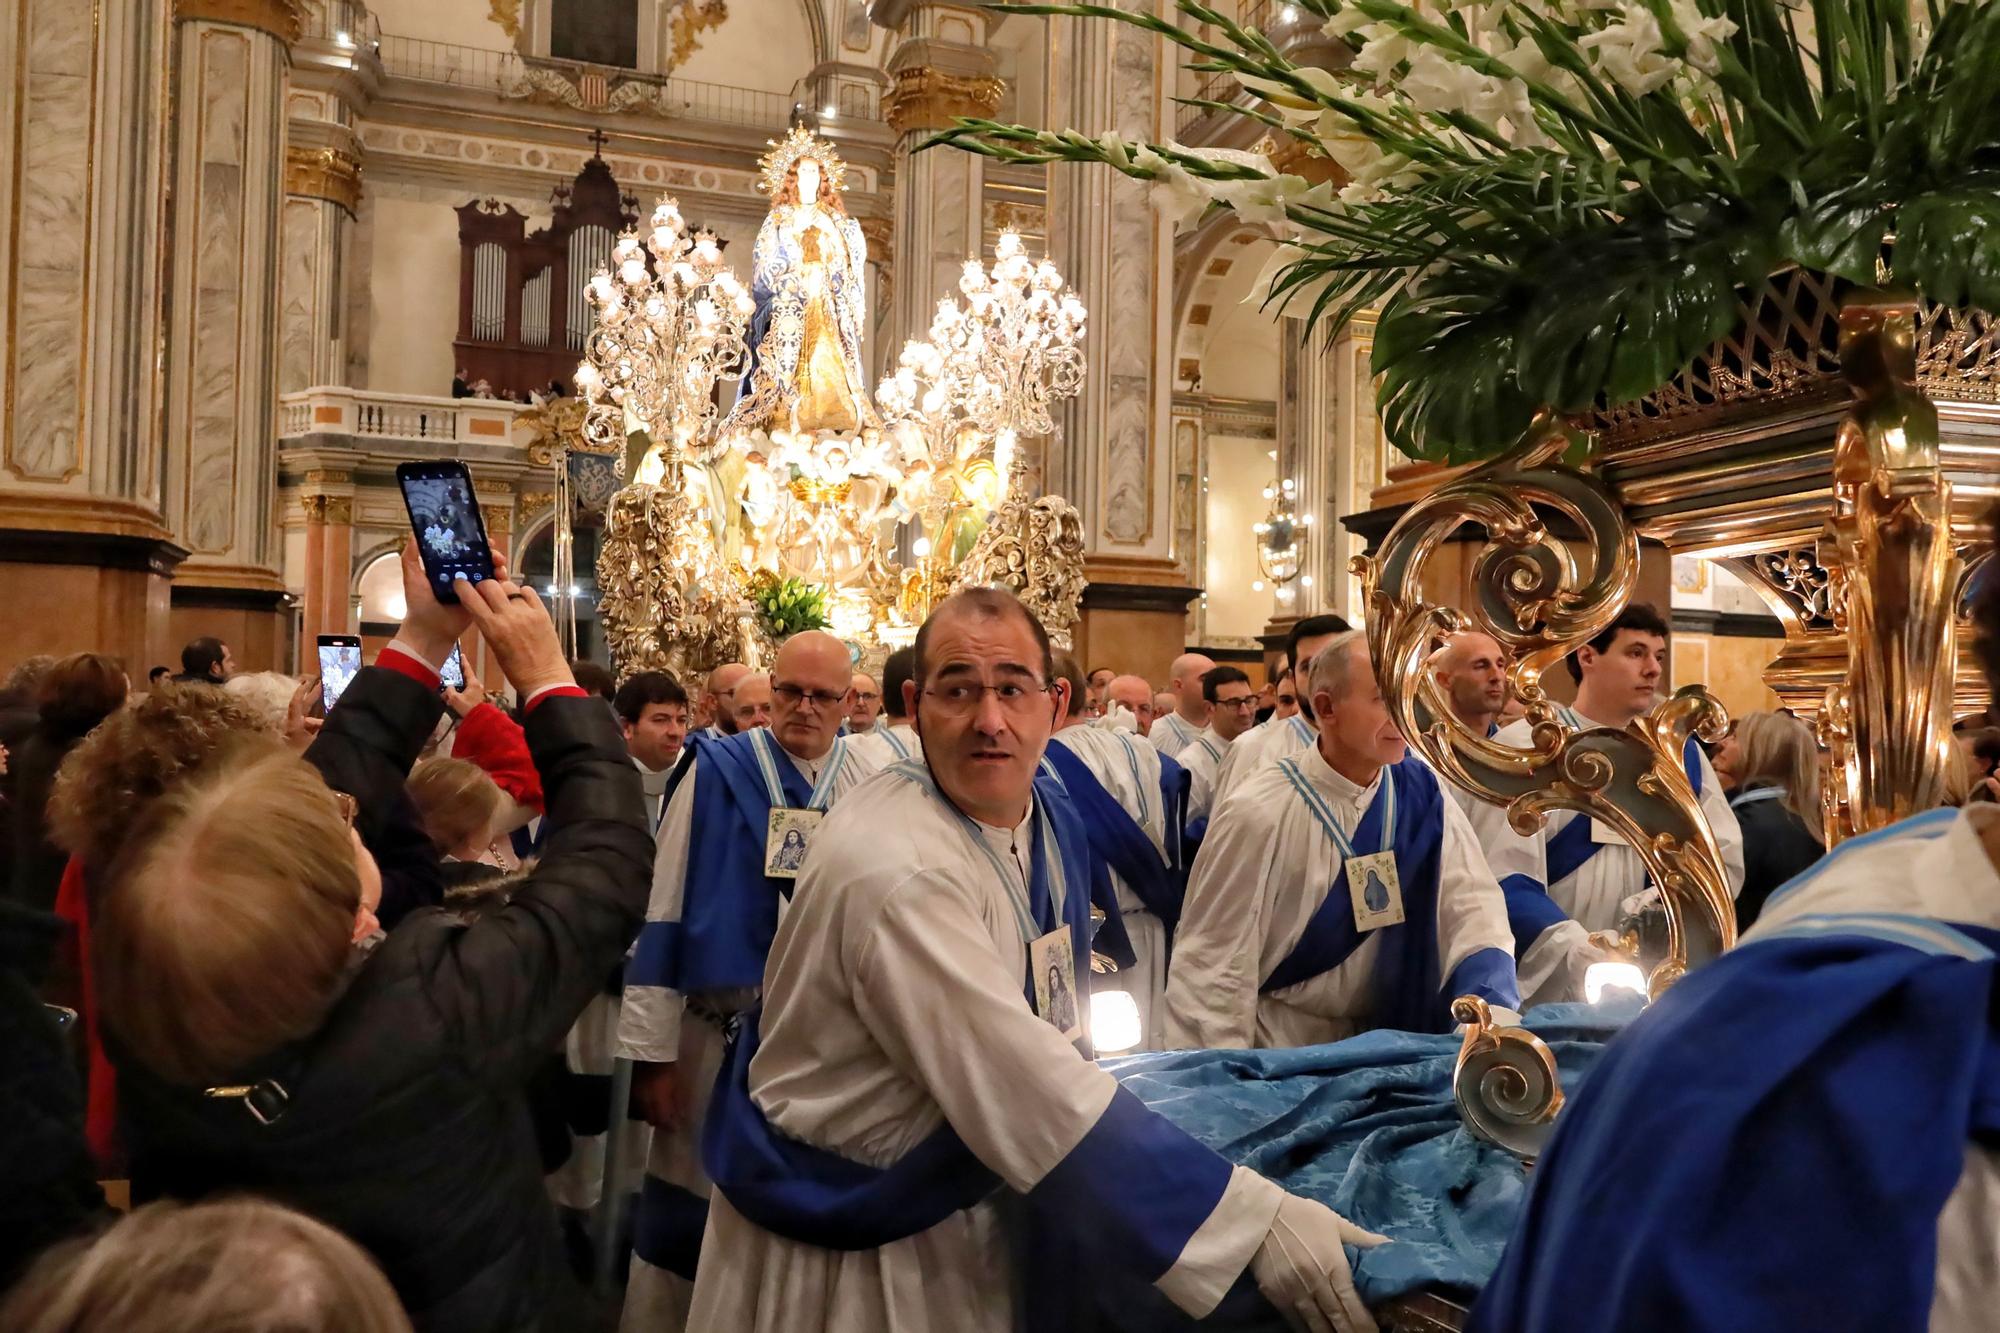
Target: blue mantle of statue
{"type": "Point", "coordinates": [1368, 1127]}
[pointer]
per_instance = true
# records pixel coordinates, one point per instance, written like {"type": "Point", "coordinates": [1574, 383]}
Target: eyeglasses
{"type": "Point", "coordinates": [350, 809]}
{"type": "Point", "coordinates": [963, 697]}
{"type": "Point", "coordinates": [817, 698]}
{"type": "Point", "coordinates": [865, 696]}
{"type": "Point", "coordinates": [1247, 701]}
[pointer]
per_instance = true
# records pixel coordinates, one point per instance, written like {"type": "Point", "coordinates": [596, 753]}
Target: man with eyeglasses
{"type": "Point", "coordinates": [906, 1069]}
{"type": "Point", "coordinates": [1133, 802]}
{"type": "Point", "coordinates": [867, 707]}
{"type": "Point", "coordinates": [1174, 730]}
{"type": "Point", "coordinates": [1231, 705]}
{"type": "Point", "coordinates": [893, 738]}
{"type": "Point", "coordinates": [750, 704]}
{"type": "Point", "coordinates": [1285, 734]}
{"type": "Point", "coordinates": [726, 865]}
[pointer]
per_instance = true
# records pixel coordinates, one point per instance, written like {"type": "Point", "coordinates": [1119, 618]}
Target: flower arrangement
{"type": "Point", "coordinates": [788, 605]}
{"type": "Point", "coordinates": [1555, 202]}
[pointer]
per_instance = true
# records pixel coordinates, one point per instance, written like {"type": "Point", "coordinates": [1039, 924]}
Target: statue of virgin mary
{"type": "Point", "coordinates": [807, 279]}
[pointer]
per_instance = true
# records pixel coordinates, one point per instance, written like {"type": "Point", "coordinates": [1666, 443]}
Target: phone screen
{"type": "Point", "coordinates": [454, 670]}
{"type": "Point", "coordinates": [444, 514]}
{"type": "Point", "coordinates": [338, 661]}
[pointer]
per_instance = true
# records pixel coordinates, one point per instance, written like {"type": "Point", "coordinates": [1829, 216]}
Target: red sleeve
{"type": "Point", "coordinates": [553, 692]}
{"type": "Point", "coordinates": [405, 665]}
{"type": "Point", "coordinates": [495, 742]}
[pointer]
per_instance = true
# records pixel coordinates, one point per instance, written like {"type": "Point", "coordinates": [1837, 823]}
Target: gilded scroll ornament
{"type": "Point", "coordinates": [1504, 1081]}
{"type": "Point", "coordinates": [1529, 597]}
{"type": "Point", "coordinates": [1888, 725]}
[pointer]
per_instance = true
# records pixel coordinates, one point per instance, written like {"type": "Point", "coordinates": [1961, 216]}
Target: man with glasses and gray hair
{"type": "Point", "coordinates": [913, 1064]}
{"type": "Point", "coordinates": [727, 860]}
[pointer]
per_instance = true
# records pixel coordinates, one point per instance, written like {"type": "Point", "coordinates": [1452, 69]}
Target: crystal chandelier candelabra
{"type": "Point", "coordinates": [1281, 535]}
{"type": "Point", "coordinates": [665, 332]}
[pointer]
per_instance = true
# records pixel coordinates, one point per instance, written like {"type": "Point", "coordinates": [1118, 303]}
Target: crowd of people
{"type": "Point", "coordinates": [342, 993]}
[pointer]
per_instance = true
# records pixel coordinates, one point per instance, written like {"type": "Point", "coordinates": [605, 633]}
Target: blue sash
{"type": "Point", "coordinates": [1110, 937]}
{"type": "Point", "coordinates": [1571, 845]}
{"type": "Point", "coordinates": [1819, 1087]}
{"type": "Point", "coordinates": [1117, 839]}
{"type": "Point", "coordinates": [729, 906]}
{"type": "Point", "coordinates": [1409, 992]}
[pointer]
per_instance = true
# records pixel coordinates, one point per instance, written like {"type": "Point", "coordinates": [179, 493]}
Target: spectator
{"type": "Point", "coordinates": [157, 676]}
{"type": "Point", "coordinates": [280, 703]}
{"type": "Point", "coordinates": [461, 809]}
{"type": "Point", "coordinates": [1774, 764]}
{"type": "Point", "coordinates": [653, 709]}
{"type": "Point", "coordinates": [78, 692]}
{"type": "Point", "coordinates": [594, 679]}
{"type": "Point", "coordinates": [238, 1266]}
{"type": "Point", "coordinates": [18, 715]}
{"type": "Point", "coordinates": [48, 1190]}
{"type": "Point", "coordinates": [265, 1035]}
{"type": "Point", "coordinates": [207, 660]}
{"type": "Point", "coordinates": [1982, 747]}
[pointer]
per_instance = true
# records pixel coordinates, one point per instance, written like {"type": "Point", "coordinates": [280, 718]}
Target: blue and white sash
{"type": "Point", "coordinates": [1408, 992]}
{"type": "Point", "coordinates": [1820, 1085]}
{"type": "Point", "coordinates": [1121, 841]}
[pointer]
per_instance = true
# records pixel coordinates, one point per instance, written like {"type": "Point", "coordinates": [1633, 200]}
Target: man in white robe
{"type": "Point", "coordinates": [700, 955]}
{"type": "Point", "coordinates": [1280, 946]}
{"type": "Point", "coordinates": [1231, 705]}
{"type": "Point", "coordinates": [867, 709]}
{"type": "Point", "coordinates": [897, 1014]}
{"type": "Point", "coordinates": [1576, 875]}
{"type": "Point", "coordinates": [1145, 786]}
{"type": "Point", "coordinates": [892, 738]}
{"type": "Point", "coordinates": [1283, 734]}
{"type": "Point", "coordinates": [1128, 705]}
{"type": "Point", "coordinates": [1173, 731]}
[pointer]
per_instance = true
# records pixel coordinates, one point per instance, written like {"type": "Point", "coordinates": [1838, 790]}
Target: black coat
{"type": "Point", "coordinates": [37, 862]}
{"type": "Point", "coordinates": [48, 1187]}
{"type": "Point", "coordinates": [1777, 846]}
{"type": "Point", "coordinates": [408, 1127]}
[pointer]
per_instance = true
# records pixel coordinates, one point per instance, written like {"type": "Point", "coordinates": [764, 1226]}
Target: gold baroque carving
{"type": "Point", "coordinates": [534, 502]}
{"type": "Point", "coordinates": [314, 507]}
{"type": "Point", "coordinates": [506, 13]}
{"type": "Point", "coordinates": [339, 509]}
{"type": "Point", "coordinates": [930, 99]}
{"type": "Point", "coordinates": [324, 173]}
{"type": "Point", "coordinates": [324, 476]}
{"type": "Point", "coordinates": [283, 19]}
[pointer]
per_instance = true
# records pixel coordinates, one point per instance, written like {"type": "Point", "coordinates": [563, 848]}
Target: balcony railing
{"type": "Point", "coordinates": [342, 22]}
{"type": "Point", "coordinates": [366, 415]}
{"type": "Point", "coordinates": [508, 74]}
{"type": "Point", "coordinates": [1222, 86]}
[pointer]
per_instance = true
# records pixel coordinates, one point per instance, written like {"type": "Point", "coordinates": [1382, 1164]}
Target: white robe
{"type": "Point", "coordinates": [885, 744]}
{"type": "Point", "coordinates": [1259, 748]}
{"type": "Point", "coordinates": [1203, 761]}
{"type": "Point", "coordinates": [1172, 734]}
{"type": "Point", "coordinates": [1937, 868]}
{"type": "Point", "coordinates": [1129, 770]}
{"type": "Point", "coordinates": [893, 1003]}
{"type": "Point", "coordinates": [650, 1029]}
{"type": "Point", "coordinates": [1264, 869]}
{"type": "Point", "coordinates": [1552, 966]}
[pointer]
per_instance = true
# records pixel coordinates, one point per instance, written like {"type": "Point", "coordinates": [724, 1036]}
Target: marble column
{"type": "Point", "coordinates": [232, 60]}
{"type": "Point", "coordinates": [941, 69]}
{"type": "Point", "coordinates": [1114, 458]}
{"type": "Point", "coordinates": [85, 557]}
{"type": "Point", "coordinates": [327, 497]}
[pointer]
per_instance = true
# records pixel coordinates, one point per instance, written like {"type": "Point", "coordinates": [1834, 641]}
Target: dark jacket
{"type": "Point", "coordinates": [1777, 846]}
{"type": "Point", "coordinates": [38, 863]}
{"type": "Point", "coordinates": [48, 1189]}
{"type": "Point", "coordinates": [407, 1125]}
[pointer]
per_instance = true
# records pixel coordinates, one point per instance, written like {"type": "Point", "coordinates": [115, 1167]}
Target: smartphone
{"type": "Point", "coordinates": [453, 675]}
{"type": "Point", "coordinates": [444, 515]}
{"type": "Point", "coordinates": [339, 659]}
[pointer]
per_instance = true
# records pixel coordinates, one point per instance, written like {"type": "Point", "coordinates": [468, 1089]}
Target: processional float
{"type": "Point", "coordinates": [809, 503]}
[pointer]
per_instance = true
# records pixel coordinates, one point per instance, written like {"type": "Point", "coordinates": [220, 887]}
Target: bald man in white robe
{"type": "Point", "coordinates": [1174, 731]}
{"type": "Point", "coordinates": [1279, 945]}
{"type": "Point", "coordinates": [700, 955]}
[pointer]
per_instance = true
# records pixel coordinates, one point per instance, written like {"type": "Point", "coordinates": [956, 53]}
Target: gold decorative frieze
{"type": "Point", "coordinates": [534, 502]}
{"type": "Point", "coordinates": [283, 19]}
{"type": "Point", "coordinates": [327, 508]}
{"type": "Point", "coordinates": [506, 13]}
{"type": "Point", "coordinates": [324, 173]}
{"type": "Point", "coordinates": [930, 99]}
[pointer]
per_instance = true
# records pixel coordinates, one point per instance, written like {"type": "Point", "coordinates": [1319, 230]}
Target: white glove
{"type": "Point", "coordinates": [1302, 1269]}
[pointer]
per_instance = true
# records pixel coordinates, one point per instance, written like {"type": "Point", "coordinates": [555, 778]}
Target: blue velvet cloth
{"type": "Point", "coordinates": [1368, 1127]}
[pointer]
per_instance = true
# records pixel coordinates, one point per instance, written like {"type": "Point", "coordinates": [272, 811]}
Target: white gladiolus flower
{"type": "Point", "coordinates": [1346, 21]}
{"type": "Point", "coordinates": [1115, 149]}
{"type": "Point", "coordinates": [1178, 194]}
{"type": "Point", "coordinates": [1702, 34]}
{"type": "Point", "coordinates": [1629, 52]}
{"type": "Point", "coordinates": [1283, 257]}
{"type": "Point", "coordinates": [1383, 51]}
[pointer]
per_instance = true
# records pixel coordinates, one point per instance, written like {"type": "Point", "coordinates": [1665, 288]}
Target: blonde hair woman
{"type": "Point", "coordinates": [1773, 761]}
{"type": "Point", "coordinates": [240, 1265]}
{"type": "Point", "coordinates": [268, 1038]}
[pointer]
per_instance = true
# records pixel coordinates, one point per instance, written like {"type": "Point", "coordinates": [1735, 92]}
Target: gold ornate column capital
{"type": "Point", "coordinates": [283, 19]}
{"type": "Point", "coordinates": [926, 98]}
{"type": "Point", "coordinates": [324, 173]}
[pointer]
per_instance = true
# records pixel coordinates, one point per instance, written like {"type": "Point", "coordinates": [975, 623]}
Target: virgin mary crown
{"type": "Point", "coordinates": [786, 153]}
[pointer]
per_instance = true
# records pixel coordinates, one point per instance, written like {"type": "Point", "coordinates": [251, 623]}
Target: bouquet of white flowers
{"type": "Point", "coordinates": [1555, 202]}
